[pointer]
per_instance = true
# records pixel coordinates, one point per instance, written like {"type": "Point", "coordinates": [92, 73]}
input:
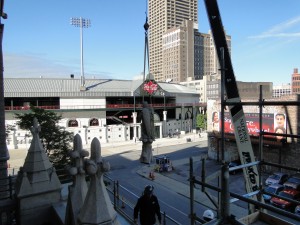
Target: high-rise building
{"type": "Point", "coordinates": [178, 53]}
{"type": "Point", "coordinates": [164, 15]}
{"type": "Point", "coordinates": [206, 59]}
{"type": "Point", "coordinates": [296, 82]}
{"type": "Point", "coordinates": [188, 54]}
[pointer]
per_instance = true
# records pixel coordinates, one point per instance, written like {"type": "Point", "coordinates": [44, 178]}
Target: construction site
{"type": "Point", "coordinates": [34, 195]}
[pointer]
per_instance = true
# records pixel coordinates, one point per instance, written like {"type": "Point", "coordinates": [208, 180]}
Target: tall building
{"type": "Point", "coordinates": [296, 82]}
{"type": "Point", "coordinates": [188, 54]}
{"type": "Point", "coordinates": [178, 53]}
{"type": "Point", "coordinates": [164, 15]}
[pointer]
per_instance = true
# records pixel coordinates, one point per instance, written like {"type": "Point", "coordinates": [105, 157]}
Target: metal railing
{"type": "Point", "coordinates": [124, 201]}
{"type": "Point", "coordinates": [108, 106]}
{"type": "Point", "coordinates": [7, 187]}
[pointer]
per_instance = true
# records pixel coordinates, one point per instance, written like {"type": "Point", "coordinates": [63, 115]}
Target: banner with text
{"type": "Point", "coordinates": [252, 120]}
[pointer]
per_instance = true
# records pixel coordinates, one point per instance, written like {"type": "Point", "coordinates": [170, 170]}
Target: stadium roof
{"type": "Point", "coordinates": [71, 87]}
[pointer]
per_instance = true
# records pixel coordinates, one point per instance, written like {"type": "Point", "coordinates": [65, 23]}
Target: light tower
{"type": "Point", "coordinates": [81, 23]}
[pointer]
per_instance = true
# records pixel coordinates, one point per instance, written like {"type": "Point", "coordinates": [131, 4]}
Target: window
{"type": "Point", "coordinates": [73, 123]}
{"type": "Point", "coordinates": [94, 122]}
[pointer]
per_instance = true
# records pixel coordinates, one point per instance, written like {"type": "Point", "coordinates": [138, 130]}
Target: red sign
{"type": "Point", "coordinates": [150, 87]}
{"type": "Point", "coordinates": [252, 120]}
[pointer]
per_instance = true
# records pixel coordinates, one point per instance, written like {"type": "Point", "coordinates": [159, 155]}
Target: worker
{"type": "Point", "coordinates": [208, 215]}
{"type": "Point", "coordinates": [146, 207]}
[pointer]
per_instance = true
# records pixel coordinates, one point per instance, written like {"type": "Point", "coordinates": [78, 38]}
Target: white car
{"type": "Point", "coordinates": [277, 178]}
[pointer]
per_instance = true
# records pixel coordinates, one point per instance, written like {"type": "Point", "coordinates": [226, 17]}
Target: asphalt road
{"type": "Point", "coordinates": [176, 206]}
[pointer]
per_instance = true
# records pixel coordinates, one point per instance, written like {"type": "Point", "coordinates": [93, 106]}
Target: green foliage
{"type": "Point", "coordinates": [55, 139]}
{"type": "Point", "coordinates": [201, 121]}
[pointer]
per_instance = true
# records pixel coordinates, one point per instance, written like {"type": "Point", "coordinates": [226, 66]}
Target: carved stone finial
{"type": "Point", "coordinates": [35, 129]}
{"type": "Point", "coordinates": [97, 207]}
{"type": "Point", "coordinates": [79, 188]}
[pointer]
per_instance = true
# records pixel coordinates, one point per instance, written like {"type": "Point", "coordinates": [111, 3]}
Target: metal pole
{"type": "Point", "coordinates": [81, 53]}
{"type": "Point", "coordinates": [81, 23]}
{"type": "Point", "coordinates": [134, 101]}
{"type": "Point", "coordinates": [260, 157]}
{"type": "Point", "coordinates": [4, 154]}
{"type": "Point", "coordinates": [164, 101]}
{"type": "Point", "coordinates": [192, 214]}
{"type": "Point", "coordinates": [222, 104]}
{"type": "Point", "coordinates": [225, 195]}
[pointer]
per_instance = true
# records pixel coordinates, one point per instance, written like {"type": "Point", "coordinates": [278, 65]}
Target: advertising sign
{"type": "Point", "coordinates": [150, 87]}
{"type": "Point", "coordinates": [252, 120]}
{"type": "Point", "coordinates": [273, 123]}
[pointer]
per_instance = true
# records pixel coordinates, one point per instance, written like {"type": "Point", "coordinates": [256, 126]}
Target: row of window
{"type": "Point", "coordinates": [74, 123]}
{"type": "Point", "coordinates": [30, 140]}
{"type": "Point", "coordinates": [295, 77]}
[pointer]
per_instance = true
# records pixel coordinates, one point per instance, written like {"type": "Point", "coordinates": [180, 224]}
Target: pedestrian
{"type": "Point", "coordinates": [146, 207]}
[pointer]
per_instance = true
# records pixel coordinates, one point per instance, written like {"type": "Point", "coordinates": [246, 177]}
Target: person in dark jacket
{"type": "Point", "coordinates": [147, 206]}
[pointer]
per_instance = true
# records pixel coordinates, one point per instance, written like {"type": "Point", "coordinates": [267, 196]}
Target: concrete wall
{"type": "Point", "coordinates": [82, 103]}
{"type": "Point", "coordinates": [20, 139]}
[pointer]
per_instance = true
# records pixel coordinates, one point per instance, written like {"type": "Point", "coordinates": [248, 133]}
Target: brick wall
{"type": "Point", "coordinates": [287, 154]}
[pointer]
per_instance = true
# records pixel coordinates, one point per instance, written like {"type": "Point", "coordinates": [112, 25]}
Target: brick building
{"type": "Point", "coordinates": [284, 151]}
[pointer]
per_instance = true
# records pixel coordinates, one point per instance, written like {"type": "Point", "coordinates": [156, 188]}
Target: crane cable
{"type": "Point", "coordinates": [146, 49]}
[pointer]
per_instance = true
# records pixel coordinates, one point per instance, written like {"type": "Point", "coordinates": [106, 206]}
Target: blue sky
{"type": "Point", "coordinates": [39, 40]}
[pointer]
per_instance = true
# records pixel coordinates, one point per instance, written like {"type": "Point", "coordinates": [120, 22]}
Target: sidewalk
{"type": "Point", "coordinates": [17, 156]}
{"type": "Point", "coordinates": [119, 147]}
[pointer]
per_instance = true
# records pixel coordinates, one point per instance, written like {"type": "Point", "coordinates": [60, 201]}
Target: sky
{"type": "Point", "coordinates": [39, 40]}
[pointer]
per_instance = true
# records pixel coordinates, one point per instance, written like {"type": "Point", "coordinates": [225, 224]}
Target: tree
{"type": "Point", "coordinates": [55, 139]}
{"type": "Point", "coordinates": [201, 121]}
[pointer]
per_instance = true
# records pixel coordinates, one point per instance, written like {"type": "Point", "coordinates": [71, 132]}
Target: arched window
{"type": "Point", "coordinates": [94, 122]}
{"type": "Point", "coordinates": [73, 123]}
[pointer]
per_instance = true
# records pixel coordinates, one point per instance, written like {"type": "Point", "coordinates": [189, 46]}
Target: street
{"type": "Point", "coordinates": [175, 205]}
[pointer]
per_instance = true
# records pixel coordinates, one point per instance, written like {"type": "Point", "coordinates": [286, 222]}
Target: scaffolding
{"type": "Point", "coordinates": [260, 208]}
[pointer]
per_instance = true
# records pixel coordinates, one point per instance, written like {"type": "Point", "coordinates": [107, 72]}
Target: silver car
{"type": "Point", "coordinates": [277, 178]}
{"type": "Point", "coordinates": [293, 182]}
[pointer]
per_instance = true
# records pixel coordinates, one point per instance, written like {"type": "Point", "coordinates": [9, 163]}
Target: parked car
{"type": "Point", "coordinates": [297, 210]}
{"type": "Point", "coordinates": [272, 189]}
{"type": "Point", "coordinates": [277, 178]}
{"type": "Point", "coordinates": [293, 182]}
{"type": "Point", "coordinates": [284, 204]}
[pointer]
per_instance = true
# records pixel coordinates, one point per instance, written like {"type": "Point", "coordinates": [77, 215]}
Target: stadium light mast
{"type": "Point", "coordinates": [81, 23]}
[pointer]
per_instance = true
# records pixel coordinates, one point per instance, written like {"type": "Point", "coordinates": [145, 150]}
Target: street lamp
{"type": "Point", "coordinates": [82, 23]}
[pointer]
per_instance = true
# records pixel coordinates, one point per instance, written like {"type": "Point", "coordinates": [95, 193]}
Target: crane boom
{"type": "Point", "coordinates": [236, 111]}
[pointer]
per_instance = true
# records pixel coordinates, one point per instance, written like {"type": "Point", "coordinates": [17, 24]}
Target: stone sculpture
{"type": "Point", "coordinates": [147, 137]}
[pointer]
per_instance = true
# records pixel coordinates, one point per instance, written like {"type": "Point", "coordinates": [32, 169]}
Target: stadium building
{"type": "Point", "coordinates": [105, 108]}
